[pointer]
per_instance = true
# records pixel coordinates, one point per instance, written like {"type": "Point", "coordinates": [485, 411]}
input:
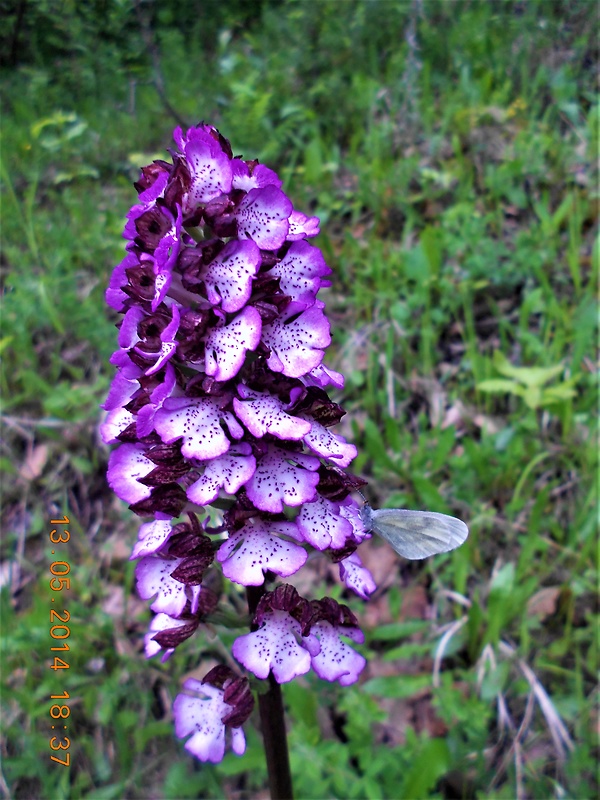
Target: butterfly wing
{"type": "Point", "coordinates": [418, 534]}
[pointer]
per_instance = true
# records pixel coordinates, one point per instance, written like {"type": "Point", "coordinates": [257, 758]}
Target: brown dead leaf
{"type": "Point", "coordinates": [376, 612]}
{"type": "Point", "coordinates": [487, 424]}
{"type": "Point", "coordinates": [358, 232]}
{"type": "Point", "coordinates": [392, 732]}
{"type": "Point", "coordinates": [414, 603]}
{"type": "Point", "coordinates": [433, 210]}
{"type": "Point", "coordinates": [461, 415]}
{"type": "Point", "coordinates": [34, 463]}
{"type": "Point", "coordinates": [543, 604]}
{"type": "Point", "coordinates": [434, 393]}
{"type": "Point", "coordinates": [425, 717]}
{"type": "Point", "coordinates": [454, 416]}
{"type": "Point", "coordinates": [114, 603]}
{"type": "Point", "coordinates": [115, 548]}
{"type": "Point", "coordinates": [317, 570]}
{"type": "Point", "coordinates": [414, 712]}
{"type": "Point", "coordinates": [381, 561]}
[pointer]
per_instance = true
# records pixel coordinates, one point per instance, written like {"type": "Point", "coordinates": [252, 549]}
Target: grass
{"type": "Point", "coordinates": [449, 150]}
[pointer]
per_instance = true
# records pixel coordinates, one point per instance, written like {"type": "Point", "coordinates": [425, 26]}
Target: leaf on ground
{"type": "Point", "coordinates": [543, 604]}
{"type": "Point", "coordinates": [34, 463]}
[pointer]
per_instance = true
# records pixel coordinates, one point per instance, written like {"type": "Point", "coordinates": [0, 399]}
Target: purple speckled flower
{"type": "Point", "coordinates": [220, 400]}
{"type": "Point", "coordinates": [214, 712]}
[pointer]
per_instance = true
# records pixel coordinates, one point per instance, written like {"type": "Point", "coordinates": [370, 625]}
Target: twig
{"type": "Point", "coordinates": [504, 718]}
{"type": "Point", "coordinates": [4, 787]}
{"type": "Point", "coordinates": [516, 749]}
{"type": "Point", "coordinates": [520, 789]}
{"type": "Point", "coordinates": [558, 731]}
{"type": "Point", "coordinates": [17, 422]}
{"type": "Point", "coordinates": [458, 598]}
{"type": "Point", "coordinates": [157, 77]}
{"type": "Point", "coordinates": [441, 648]}
{"type": "Point", "coordinates": [14, 45]}
{"type": "Point", "coordinates": [487, 655]}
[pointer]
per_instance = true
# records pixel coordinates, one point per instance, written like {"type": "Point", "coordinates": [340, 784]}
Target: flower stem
{"type": "Point", "coordinates": [272, 718]}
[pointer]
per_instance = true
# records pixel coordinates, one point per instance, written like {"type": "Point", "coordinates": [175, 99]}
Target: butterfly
{"type": "Point", "coordinates": [415, 534]}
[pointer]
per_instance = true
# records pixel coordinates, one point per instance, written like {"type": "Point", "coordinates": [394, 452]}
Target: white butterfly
{"type": "Point", "coordinates": [415, 534]}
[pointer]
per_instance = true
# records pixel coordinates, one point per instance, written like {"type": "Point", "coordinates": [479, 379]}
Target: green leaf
{"type": "Point", "coordinates": [432, 247]}
{"type": "Point", "coordinates": [495, 681]}
{"type": "Point", "coordinates": [532, 396]}
{"type": "Point", "coordinates": [395, 631]}
{"type": "Point", "coordinates": [376, 446]}
{"type": "Point", "coordinates": [303, 705]}
{"type": "Point", "coordinates": [4, 342]}
{"type": "Point", "coordinates": [556, 394]}
{"type": "Point", "coordinates": [57, 119]}
{"type": "Point", "coordinates": [429, 494]}
{"type": "Point", "coordinates": [397, 686]}
{"type": "Point", "coordinates": [500, 386]}
{"type": "Point", "coordinates": [529, 376]}
{"type": "Point", "coordinates": [427, 768]}
{"type": "Point", "coordinates": [504, 580]}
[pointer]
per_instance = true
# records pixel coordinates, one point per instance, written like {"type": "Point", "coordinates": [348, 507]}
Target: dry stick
{"type": "Point", "coordinates": [14, 46]}
{"type": "Point", "coordinates": [272, 718]}
{"type": "Point", "coordinates": [158, 80]}
{"type": "Point", "coordinates": [558, 731]}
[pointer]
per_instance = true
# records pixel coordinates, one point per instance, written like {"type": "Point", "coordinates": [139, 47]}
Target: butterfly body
{"type": "Point", "coordinates": [415, 534]}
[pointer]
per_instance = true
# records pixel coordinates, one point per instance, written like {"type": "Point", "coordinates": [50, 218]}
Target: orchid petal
{"type": "Point", "coordinates": [301, 272]}
{"type": "Point", "coordinates": [226, 347]}
{"type": "Point", "coordinates": [282, 476]}
{"type": "Point", "coordinates": [228, 277]}
{"type": "Point", "coordinates": [350, 510]}
{"type": "Point", "coordinates": [210, 169]}
{"type": "Point", "coordinates": [256, 548]}
{"type": "Point", "coordinates": [329, 445]}
{"type": "Point", "coordinates": [202, 717]}
{"type": "Point", "coordinates": [117, 420]}
{"type": "Point", "coordinates": [126, 464]}
{"type": "Point", "coordinates": [122, 389]}
{"type": "Point", "coordinates": [357, 577]}
{"type": "Point", "coordinates": [322, 376]}
{"type": "Point", "coordinates": [230, 471]}
{"type": "Point", "coordinates": [128, 335]}
{"type": "Point", "coordinates": [160, 622]}
{"type": "Point", "coordinates": [302, 226]}
{"type": "Point", "coordinates": [198, 422]}
{"type": "Point", "coordinates": [296, 340]}
{"type": "Point", "coordinates": [337, 661]}
{"type": "Point", "coordinates": [153, 577]}
{"type": "Point", "coordinates": [152, 536]}
{"type": "Point", "coordinates": [262, 413]}
{"type": "Point", "coordinates": [321, 525]}
{"type": "Point", "coordinates": [261, 176]}
{"type": "Point", "coordinates": [115, 296]}
{"type": "Point", "coordinates": [274, 647]}
{"type": "Point", "coordinates": [263, 217]}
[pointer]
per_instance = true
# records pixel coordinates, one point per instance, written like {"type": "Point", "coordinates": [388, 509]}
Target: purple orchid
{"type": "Point", "coordinates": [294, 635]}
{"type": "Point", "coordinates": [221, 702]}
{"type": "Point", "coordinates": [220, 398]}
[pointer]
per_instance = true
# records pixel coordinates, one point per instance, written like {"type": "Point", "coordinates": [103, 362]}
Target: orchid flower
{"type": "Point", "coordinates": [220, 397]}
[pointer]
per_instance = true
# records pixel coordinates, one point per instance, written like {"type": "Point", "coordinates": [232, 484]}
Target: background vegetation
{"type": "Point", "coordinates": [448, 149]}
